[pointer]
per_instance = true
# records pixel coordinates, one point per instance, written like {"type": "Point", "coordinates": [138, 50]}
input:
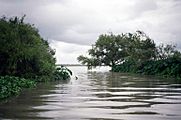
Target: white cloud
{"type": "Point", "coordinates": [67, 53]}
{"type": "Point", "coordinates": [82, 21]}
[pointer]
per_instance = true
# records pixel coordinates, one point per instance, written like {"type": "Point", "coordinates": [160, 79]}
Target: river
{"type": "Point", "coordinates": [98, 95]}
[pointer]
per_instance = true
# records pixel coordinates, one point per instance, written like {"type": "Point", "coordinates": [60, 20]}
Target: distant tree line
{"type": "Point", "coordinates": [134, 52]}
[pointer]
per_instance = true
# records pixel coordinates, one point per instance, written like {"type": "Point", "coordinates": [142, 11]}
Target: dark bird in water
{"type": "Point", "coordinates": [76, 77]}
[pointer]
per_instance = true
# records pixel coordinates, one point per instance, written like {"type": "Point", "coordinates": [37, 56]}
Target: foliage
{"type": "Point", "coordinates": [10, 85]}
{"type": "Point", "coordinates": [26, 55]}
{"type": "Point", "coordinates": [170, 67]}
{"type": "Point", "coordinates": [89, 62]}
{"type": "Point", "coordinates": [23, 52]}
{"type": "Point", "coordinates": [166, 51]}
{"type": "Point", "coordinates": [112, 49]}
{"type": "Point", "coordinates": [167, 63]}
{"type": "Point", "coordinates": [140, 48]}
{"type": "Point", "coordinates": [135, 53]}
{"type": "Point", "coordinates": [62, 73]}
{"type": "Point", "coordinates": [128, 66]}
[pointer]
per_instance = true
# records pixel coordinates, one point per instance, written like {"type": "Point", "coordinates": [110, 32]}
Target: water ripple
{"type": "Point", "coordinates": [99, 96]}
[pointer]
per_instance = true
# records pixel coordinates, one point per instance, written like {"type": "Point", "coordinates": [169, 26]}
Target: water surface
{"type": "Point", "coordinates": [98, 95]}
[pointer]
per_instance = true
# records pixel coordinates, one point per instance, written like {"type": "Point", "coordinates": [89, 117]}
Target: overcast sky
{"type": "Point", "coordinates": [71, 26]}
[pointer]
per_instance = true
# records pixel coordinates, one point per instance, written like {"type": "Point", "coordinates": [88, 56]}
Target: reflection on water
{"type": "Point", "coordinates": [98, 96]}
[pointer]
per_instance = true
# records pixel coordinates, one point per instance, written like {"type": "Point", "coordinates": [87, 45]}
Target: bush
{"type": "Point", "coordinates": [170, 67]}
{"type": "Point", "coordinates": [23, 52]}
{"type": "Point", "coordinates": [62, 73]}
{"type": "Point", "coordinates": [128, 66]}
{"type": "Point", "coordinates": [10, 85]}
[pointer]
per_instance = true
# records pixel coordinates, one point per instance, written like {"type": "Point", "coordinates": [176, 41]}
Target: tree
{"type": "Point", "coordinates": [89, 62]}
{"type": "Point", "coordinates": [166, 51]}
{"type": "Point", "coordinates": [23, 52]}
{"type": "Point", "coordinates": [141, 48]}
{"type": "Point", "coordinates": [106, 51]}
{"type": "Point", "coordinates": [112, 49]}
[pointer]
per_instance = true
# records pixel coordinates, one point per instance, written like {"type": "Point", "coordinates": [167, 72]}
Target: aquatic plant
{"type": "Point", "coordinates": [62, 73]}
{"type": "Point", "coordinates": [11, 85]}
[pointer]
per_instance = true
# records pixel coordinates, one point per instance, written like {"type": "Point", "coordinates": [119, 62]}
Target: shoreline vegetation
{"type": "Point", "coordinates": [134, 53]}
{"type": "Point", "coordinates": [25, 58]}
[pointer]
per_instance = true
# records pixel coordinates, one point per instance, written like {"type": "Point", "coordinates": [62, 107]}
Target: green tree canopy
{"type": "Point", "coordinates": [112, 49]}
{"type": "Point", "coordinates": [23, 52]}
{"type": "Point", "coordinates": [135, 53]}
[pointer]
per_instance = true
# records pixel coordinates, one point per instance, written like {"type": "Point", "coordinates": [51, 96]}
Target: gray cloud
{"type": "Point", "coordinates": [82, 21]}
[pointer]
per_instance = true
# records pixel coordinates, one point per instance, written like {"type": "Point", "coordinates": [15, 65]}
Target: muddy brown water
{"type": "Point", "coordinates": [98, 95]}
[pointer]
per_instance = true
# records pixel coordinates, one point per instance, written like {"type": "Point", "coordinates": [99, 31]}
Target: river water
{"type": "Point", "coordinates": [98, 95]}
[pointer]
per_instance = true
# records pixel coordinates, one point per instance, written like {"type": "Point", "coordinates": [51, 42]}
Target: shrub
{"type": "Point", "coordinates": [11, 85]}
{"type": "Point", "coordinates": [170, 67]}
{"type": "Point", "coordinates": [23, 52]}
{"type": "Point", "coordinates": [62, 73]}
